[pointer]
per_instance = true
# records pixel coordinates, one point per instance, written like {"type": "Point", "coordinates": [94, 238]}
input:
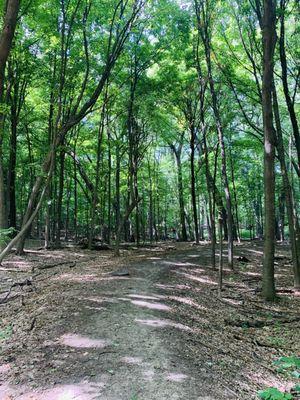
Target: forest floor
{"type": "Point", "coordinates": [145, 326]}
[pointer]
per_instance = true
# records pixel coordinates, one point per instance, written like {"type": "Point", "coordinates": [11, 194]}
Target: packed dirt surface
{"type": "Point", "coordinates": [146, 326]}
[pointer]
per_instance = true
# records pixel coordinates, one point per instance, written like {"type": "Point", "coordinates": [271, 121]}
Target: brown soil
{"type": "Point", "coordinates": [146, 326]}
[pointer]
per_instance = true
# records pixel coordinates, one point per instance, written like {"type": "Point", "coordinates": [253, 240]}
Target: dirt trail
{"type": "Point", "coordinates": [122, 337]}
{"type": "Point", "coordinates": [143, 343]}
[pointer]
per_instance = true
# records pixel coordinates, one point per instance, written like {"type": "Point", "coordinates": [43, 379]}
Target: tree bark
{"type": "Point", "coordinates": [284, 77]}
{"type": "Point", "coordinates": [117, 188]}
{"type": "Point", "coordinates": [269, 41]}
{"type": "Point", "coordinates": [109, 184]}
{"type": "Point", "coordinates": [129, 210]}
{"type": "Point", "coordinates": [95, 196]}
{"type": "Point", "coordinates": [11, 180]}
{"type": "Point", "coordinates": [181, 197]}
{"type": "Point", "coordinates": [6, 39]}
{"type": "Point", "coordinates": [210, 184]}
{"type": "Point", "coordinates": [59, 222]}
{"type": "Point", "coordinates": [224, 171]}
{"type": "Point", "coordinates": [293, 222]}
{"type": "Point", "coordinates": [193, 182]}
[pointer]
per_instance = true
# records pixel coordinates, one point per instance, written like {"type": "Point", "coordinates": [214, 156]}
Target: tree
{"type": "Point", "coordinates": [269, 41]}
{"type": "Point", "coordinates": [6, 41]}
{"type": "Point", "coordinates": [204, 10]}
{"type": "Point", "coordinates": [124, 21]}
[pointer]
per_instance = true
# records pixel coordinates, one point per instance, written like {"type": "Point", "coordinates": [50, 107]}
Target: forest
{"type": "Point", "coordinates": [149, 199]}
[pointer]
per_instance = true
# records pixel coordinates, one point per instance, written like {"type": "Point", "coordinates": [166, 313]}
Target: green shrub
{"type": "Point", "coordinates": [274, 394]}
{"type": "Point", "coordinates": [287, 363]}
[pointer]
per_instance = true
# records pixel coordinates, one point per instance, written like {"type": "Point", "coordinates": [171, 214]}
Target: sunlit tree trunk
{"type": "Point", "coordinates": [269, 40]}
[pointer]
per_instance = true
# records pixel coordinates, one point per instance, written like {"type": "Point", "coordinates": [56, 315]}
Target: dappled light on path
{"type": "Point", "coordinates": [176, 377]}
{"type": "Point", "coordinates": [141, 301]}
{"type": "Point", "coordinates": [132, 360]}
{"type": "Point", "coordinates": [183, 264]}
{"type": "Point", "coordinates": [199, 271]}
{"type": "Point", "coordinates": [268, 381]}
{"type": "Point", "coordinates": [77, 391]}
{"type": "Point", "coordinates": [163, 323]}
{"type": "Point", "coordinates": [172, 287]}
{"type": "Point", "coordinates": [4, 368]}
{"type": "Point", "coordinates": [83, 278]}
{"type": "Point", "coordinates": [152, 306]}
{"type": "Point", "coordinates": [144, 297]}
{"type": "Point", "coordinates": [95, 308]}
{"type": "Point", "coordinates": [204, 279]}
{"type": "Point", "coordinates": [77, 277]}
{"type": "Point", "coordinates": [149, 375]}
{"type": "Point", "coordinates": [188, 301]}
{"type": "Point", "coordinates": [78, 341]}
{"type": "Point", "coordinates": [98, 299]}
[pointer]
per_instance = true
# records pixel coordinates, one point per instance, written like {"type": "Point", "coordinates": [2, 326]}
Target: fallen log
{"type": "Point", "coordinates": [48, 266]}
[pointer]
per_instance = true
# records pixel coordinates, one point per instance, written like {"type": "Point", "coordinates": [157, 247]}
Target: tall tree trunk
{"type": "Point", "coordinates": [237, 222]}
{"type": "Point", "coordinates": [47, 244]}
{"type": "Point", "coordinates": [193, 183]}
{"type": "Point", "coordinates": [137, 208]}
{"type": "Point", "coordinates": [95, 196]}
{"type": "Point", "coordinates": [284, 76]}
{"type": "Point", "coordinates": [117, 184]}
{"type": "Point", "coordinates": [224, 163]}
{"type": "Point", "coordinates": [269, 41]}
{"type": "Point", "coordinates": [129, 210]}
{"type": "Point", "coordinates": [11, 180]}
{"type": "Point", "coordinates": [109, 213]}
{"type": "Point", "coordinates": [49, 203]}
{"type": "Point", "coordinates": [181, 197]}
{"type": "Point", "coordinates": [59, 216]}
{"type": "Point", "coordinates": [257, 208]}
{"type": "Point", "coordinates": [281, 214]}
{"type": "Point", "coordinates": [6, 39]}
{"type": "Point", "coordinates": [220, 278]}
{"type": "Point", "coordinates": [150, 203]}
{"type": "Point", "coordinates": [293, 222]}
{"type": "Point", "coordinates": [211, 201]}
{"type": "Point", "coordinates": [75, 217]}
{"type": "Point", "coordinates": [68, 202]}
